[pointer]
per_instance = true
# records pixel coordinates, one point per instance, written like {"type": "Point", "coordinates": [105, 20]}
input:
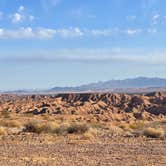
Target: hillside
{"type": "Point", "coordinates": [89, 106]}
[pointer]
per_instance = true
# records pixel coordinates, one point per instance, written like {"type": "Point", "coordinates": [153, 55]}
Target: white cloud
{"type": "Point", "coordinates": [133, 31]}
{"type": "Point", "coordinates": [31, 18]}
{"type": "Point", "coordinates": [47, 4]}
{"type": "Point", "coordinates": [21, 16]}
{"type": "Point", "coordinates": [26, 33]}
{"type": "Point", "coordinates": [16, 18]}
{"type": "Point", "coordinates": [156, 18]}
{"type": "Point", "coordinates": [44, 33]}
{"type": "Point", "coordinates": [21, 9]}
{"type": "Point", "coordinates": [105, 32]}
{"type": "Point", "coordinates": [99, 55]}
{"type": "Point", "coordinates": [71, 32]}
{"type": "Point", "coordinates": [152, 30]}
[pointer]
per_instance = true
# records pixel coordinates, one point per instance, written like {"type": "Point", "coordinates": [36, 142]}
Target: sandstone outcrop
{"type": "Point", "coordinates": [89, 106]}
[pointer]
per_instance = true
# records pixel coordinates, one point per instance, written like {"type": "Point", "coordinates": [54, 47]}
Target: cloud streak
{"type": "Point", "coordinates": [48, 33]}
{"type": "Point", "coordinates": [117, 55]}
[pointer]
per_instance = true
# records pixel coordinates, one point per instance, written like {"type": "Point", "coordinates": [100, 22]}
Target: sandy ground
{"type": "Point", "coordinates": [19, 150]}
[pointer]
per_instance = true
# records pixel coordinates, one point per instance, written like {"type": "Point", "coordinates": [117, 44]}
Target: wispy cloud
{"type": "Point", "coordinates": [25, 33]}
{"type": "Point", "coordinates": [20, 15]}
{"type": "Point", "coordinates": [45, 33]}
{"type": "Point", "coordinates": [47, 4]}
{"type": "Point", "coordinates": [133, 31]}
{"type": "Point", "coordinates": [98, 32]}
{"type": "Point", "coordinates": [21, 9]}
{"type": "Point", "coordinates": [155, 18]}
{"type": "Point", "coordinates": [16, 18]}
{"type": "Point", "coordinates": [152, 30]}
{"type": "Point", "coordinates": [89, 55]}
{"type": "Point", "coordinates": [80, 13]}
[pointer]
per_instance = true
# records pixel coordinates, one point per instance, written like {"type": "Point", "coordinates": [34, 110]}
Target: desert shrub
{"type": "Point", "coordinates": [34, 126]}
{"type": "Point", "coordinates": [53, 127]}
{"type": "Point", "coordinates": [137, 125]}
{"type": "Point", "coordinates": [10, 123]}
{"type": "Point", "coordinates": [74, 128]}
{"type": "Point", "coordinates": [2, 131]}
{"type": "Point", "coordinates": [62, 129]}
{"type": "Point", "coordinates": [77, 128]}
{"type": "Point", "coordinates": [125, 127]}
{"type": "Point", "coordinates": [90, 134]}
{"type": "Point", "coordinates": [6, 114]}
{"type": "Point", "coordinates": [154, 132]}
{"type": "Point", "coordinates": [50, 127]}
{"type": "Point", "coordinates": [115, 130]}
{"type": "Point", "coordinates": [41, 127]}
{"type": "Point", "coordinates": [97, 125]}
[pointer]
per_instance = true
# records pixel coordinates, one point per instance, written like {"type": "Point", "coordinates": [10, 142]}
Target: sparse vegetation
{"type": "Point", "coordinates": [52, 127]}
{"type": "Point", "coordinates": [137, 125]}
{"type": "Point", "coordinates": [10, 123]}
{"type": "Point", "coordinates": [6, 114]}
{"type": "Point", "coordinates": [37, 126]}
{"type": "Point", "coordinates": [90, 134]}
{"type": "Point", "coordinates": [2, 131]}
{"type": "Point", "coordinates": [154, 132]}
{"type": "Point", "coordinates": [77, 128]}
{"type": "Point", "coordinates": [125, 127]}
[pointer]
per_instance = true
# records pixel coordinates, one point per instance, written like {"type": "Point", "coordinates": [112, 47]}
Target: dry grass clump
{"type": "Point", "coordinates": [37, 126]}
{"type": "Point", "coordinates": [6, 114]}
{"type": "Point", "coordinates": [125, 127]}
{"type": "Point", "coordinates": [154, 132]}
{"type": "Point", "coordinates": [115, 130]}
{"type": "Point", "coordinates": [53, 127]}
{"type": "Point", "coordinates": [77, 128]}
{"type": "Point", "coordinates": [33, 126]}
{"type": "Point", "coordinates": [137, 125]}
{"type": "Point", "coordinates": [47, 117]}
{"type": "Point", "coordinates": [10, 123]}
{"type": "Point", "coordinates": [73, 128]}
{"type": "Point", "coordinates": [90, 134]}
{"type": "Point", "coordinates": [97, 125]}
{"type": "Point", "coordinates": [2, 131]}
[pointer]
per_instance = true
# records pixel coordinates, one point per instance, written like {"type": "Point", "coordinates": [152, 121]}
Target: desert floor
{"type": "Point", "coordinates": [31, 149]}
{"type": "Point", "coordinates": [83, 129]}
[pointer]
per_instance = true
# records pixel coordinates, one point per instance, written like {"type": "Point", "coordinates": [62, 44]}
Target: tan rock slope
{"type": "Point", "coordinates": [106, 107]}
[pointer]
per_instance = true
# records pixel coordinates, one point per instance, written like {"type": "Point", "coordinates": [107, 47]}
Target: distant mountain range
{"type": "Point", "coordinates": [139, 84]}
{"type": "Point", "coordinates": [113, 85]}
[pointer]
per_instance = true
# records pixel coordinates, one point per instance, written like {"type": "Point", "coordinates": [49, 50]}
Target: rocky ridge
{"type": "Point", "coordinates": [105, 107]}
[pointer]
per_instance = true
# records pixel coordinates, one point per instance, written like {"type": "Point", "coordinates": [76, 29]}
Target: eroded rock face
{"type": "Point", "coordinates": [89, 106]}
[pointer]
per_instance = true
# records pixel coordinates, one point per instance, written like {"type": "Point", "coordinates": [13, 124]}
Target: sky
{"type": "Point", "coordinates": [48, 43]}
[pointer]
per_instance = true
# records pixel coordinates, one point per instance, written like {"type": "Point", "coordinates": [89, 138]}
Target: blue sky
{"type": "Point", "coordinates": [47, 43]}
